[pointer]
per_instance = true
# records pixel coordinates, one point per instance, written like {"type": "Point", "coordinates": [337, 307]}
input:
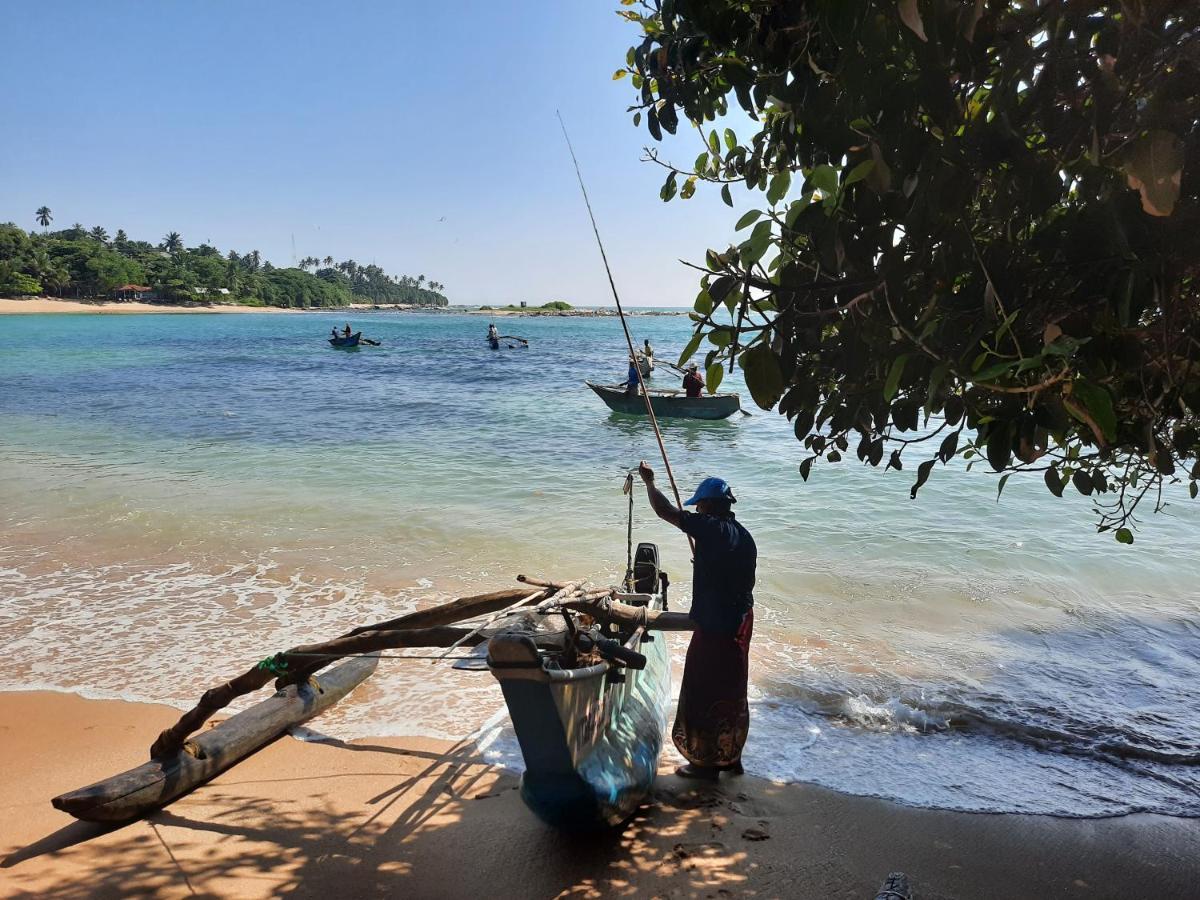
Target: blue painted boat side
{"type": "Point", "coordinates": [591, 743]}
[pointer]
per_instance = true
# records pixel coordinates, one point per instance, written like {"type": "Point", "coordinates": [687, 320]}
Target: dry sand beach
{"type": "Point", "coordinates": [419, 818]}
{"type": "Point", "coordinates": [42, 305]}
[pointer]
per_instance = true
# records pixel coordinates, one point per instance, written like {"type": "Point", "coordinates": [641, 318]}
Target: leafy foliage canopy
{"type": "Point", "coordinates": [978, 234]}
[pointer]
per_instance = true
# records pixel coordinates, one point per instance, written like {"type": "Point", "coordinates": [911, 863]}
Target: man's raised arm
{"type": "Point", "coordinates": [663, 508]}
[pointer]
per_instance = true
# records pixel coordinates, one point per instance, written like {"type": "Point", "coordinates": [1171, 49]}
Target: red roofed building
{"type": "Point", "coordinates": [134, 292]}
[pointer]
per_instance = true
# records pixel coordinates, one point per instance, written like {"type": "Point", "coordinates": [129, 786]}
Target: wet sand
{"type": "Point", "coordinates": [418, 818]}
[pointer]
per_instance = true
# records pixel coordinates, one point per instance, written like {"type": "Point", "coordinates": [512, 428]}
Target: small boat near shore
{"type": "Point", "coordinates": [668, 404]}
{"type": "Point", "coordinates": [346, 342]}
{"type": "Point", "coordinates": [591, 712]}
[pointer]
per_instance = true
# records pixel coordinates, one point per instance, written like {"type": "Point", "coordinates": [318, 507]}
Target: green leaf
{"type": "Point", "coordinates": [859, 172]}
{"type": "Point", "coordinates": [1083, 482]}
{"type": "Point", "coordinates": [995, 370]}
{"type": "Point", "coordinates": [668, 188]}
{"type": "Point", "coordinates": [892, 385]}
{"type": "Point", "coordinates": [806, 467]}
{"type": "Point", "coordinates": [825, 179]}
{"type": "Point", "coordinates": [701, 162]}
{"type": "Point", "coordinates": [923, 471]}
{"type": "Point", "coordinates": [949, 446]}
{"type": "Point", "coordinates": [725, 194]}
{"type": "Point", "coordinates": [795, 209]}
{"type": "Point", "coordinates": [714, 142]}
{"type": "Point", "coordinates": [763, 375]}
{"type": "Point", "coordinates": [720, 288]}
{"type": "Point", "coordinates": [756, 245]}
{"type": "Point", "coordinates": [748, 219]}
{"type": "Point", "coordinates": [999, 448]}
{"type": "Point", "coordinates": [691, 347]}
{"type": "Point", "coordinates": [704, 303]}
{"type": "Point", "coordinates": [712, 377]}
{"type": "Point", "coordinates": [730, 139]}
{"type": "Point", "coordinates": [1000, 486]}
{"type": "Point", "coordinates": [1192, 490]}
{"type": "Point", "coordinates": [1098, 403]}
{"type": "Point", "coordinates": [619, 74]}
{"type": "Point", "coordinates": [1124, 536]}
{"type": "Point", "coordinates": [630, 57]}
{"type": "Point", "coordinates": [1054, 482]}
{"type": "Point", "coordinates": [779, 187]}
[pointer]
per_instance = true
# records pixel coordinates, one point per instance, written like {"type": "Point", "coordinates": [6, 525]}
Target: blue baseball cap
{"type": "Point", "coordinates": [712, 489]}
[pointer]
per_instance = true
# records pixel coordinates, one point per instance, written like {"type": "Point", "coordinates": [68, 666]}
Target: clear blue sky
{"type": "Point", "coordinates": [356, 127]}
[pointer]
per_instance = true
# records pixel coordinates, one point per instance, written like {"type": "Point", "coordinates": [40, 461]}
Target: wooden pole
{"type": "Point", "coordinates": [298, 669]}
{"type": "Point", "coordinates": [173, 739]}
{"type": "Point", "coordinates": [624, 614]}
{"type": "Point", "coordinates": [442, 614]}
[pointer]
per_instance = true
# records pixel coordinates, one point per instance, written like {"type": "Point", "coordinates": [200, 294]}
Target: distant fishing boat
{"type": "Point", "coordinates": [590, 722]}
{"type": "Point", "coordinates": [668, 404]}
{"type": "Point", "coordinates": [346, 342]}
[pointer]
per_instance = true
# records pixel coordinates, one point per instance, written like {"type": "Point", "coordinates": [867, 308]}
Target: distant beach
{"type": "Point", "coordinates": [44, 305]}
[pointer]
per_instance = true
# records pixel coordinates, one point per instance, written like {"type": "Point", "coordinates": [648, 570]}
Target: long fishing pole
{"type": "Point", "coordinates": [624, 325]}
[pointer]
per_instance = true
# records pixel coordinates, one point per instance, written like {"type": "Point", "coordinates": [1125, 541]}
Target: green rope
{"type": "Point", "coordinates": [276, 665]}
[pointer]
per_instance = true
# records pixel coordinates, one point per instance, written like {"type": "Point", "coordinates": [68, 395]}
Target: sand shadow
{"type": "Point", "coordinates": [67, 836]}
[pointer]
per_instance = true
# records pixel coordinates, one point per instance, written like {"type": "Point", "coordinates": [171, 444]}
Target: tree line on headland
{"type": "Point", "coordinates": [81, 263]}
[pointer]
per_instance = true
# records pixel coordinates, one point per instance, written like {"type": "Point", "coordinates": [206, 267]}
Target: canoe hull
{"type": "Point", "coordinates": [590, 743]}
{"type": "Point", "coordinates": [346, 342]}
{"type": "Point", "coordinates": [668, 404]}
{"type": "Point", "coordinates": [156, 783]}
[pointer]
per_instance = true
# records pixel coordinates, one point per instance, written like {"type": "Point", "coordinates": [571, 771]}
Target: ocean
{"type": "Point", "coordinates": [181, 496]}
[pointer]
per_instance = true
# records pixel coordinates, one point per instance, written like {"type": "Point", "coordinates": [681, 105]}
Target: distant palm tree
{"type": "Point", "coordinates": [43, 216]}
{"type": "Point", "coordinates": [172, 243]}
{"type": "Point", "coordinates": [122, 237]}
{"type": "Point", "coordinates": [328, 262]}
{"type": "Point", "coordinates": [99, 234]}
{"type": "Point", "coordinates": [57, 280]}
{"type": "Point", "coordinates": [255, 260]}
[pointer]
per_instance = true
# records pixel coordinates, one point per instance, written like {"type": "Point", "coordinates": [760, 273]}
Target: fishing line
{"type": "Point", "coordinates": [624, 325]}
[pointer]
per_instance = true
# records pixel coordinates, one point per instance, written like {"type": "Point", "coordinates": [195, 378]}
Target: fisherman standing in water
{"type": "Point", "coordinates": [713, 717]}
{"type": "Point", "coordinates": [632, 378]}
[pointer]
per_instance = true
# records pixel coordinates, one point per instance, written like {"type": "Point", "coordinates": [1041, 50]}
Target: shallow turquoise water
{"type": "Point", "coordinates": [181, 494]}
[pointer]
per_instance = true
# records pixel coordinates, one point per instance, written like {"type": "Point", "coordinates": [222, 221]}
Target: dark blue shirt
{"type": "Point", "coordinates": [632, 377]}
{"type": "Point", "coordinates": [723, 571]}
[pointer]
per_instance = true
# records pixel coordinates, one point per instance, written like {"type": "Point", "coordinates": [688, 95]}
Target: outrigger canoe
{"type": "Point", "coordinates": [591, 727]}
{"type": "Point", "coordinates": [668, 404]}
{"type": "Point", "coordinates": [158, 782]}
{"type": "Point", "coordinates": [351, 341]}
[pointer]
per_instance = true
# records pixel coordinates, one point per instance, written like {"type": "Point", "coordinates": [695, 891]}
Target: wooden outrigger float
{"type": "Point", "coordinates": [156, 783]}
{"type": "Point", "coordinates": [587, 699]}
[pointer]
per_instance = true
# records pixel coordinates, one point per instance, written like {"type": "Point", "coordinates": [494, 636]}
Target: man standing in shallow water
{"type": "Point", "coordinates": [713, 717]}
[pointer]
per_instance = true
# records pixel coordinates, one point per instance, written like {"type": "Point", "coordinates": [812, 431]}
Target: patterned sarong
{"type": "Point", "coordinates": [713, 717]}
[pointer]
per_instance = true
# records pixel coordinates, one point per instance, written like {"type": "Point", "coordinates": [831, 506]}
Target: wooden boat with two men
{"type": "Point", "coordinates": [346, 342]}
{"type": "Point", "coordinates": [667, 403]}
